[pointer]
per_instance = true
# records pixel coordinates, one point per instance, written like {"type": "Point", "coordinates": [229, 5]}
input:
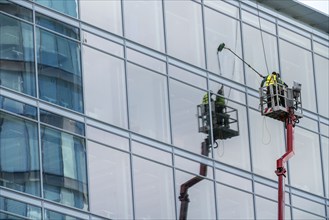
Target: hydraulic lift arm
{"type": "Point", "coordinates": [280, 163]}
{"type": "Point", "coordinates": [184, 198]}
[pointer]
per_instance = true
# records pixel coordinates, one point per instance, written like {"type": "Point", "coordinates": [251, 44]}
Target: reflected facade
{"type": "Point", "coordinates": [99, 116]}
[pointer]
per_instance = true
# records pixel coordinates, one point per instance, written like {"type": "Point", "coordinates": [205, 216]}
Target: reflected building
{"type": "Point", "coordinates": [99, 118]}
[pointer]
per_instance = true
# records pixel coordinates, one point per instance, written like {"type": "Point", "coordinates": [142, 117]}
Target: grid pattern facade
{"type": "Point", "coordinates": [98, 110]}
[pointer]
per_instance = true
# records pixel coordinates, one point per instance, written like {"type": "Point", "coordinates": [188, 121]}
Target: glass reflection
{"type": "Point", "coordinates": [110, 182]}
{"type": "Point", "coordinates": [322, 79]}
{"type": "Point", "coordinates": [17, 107]}
{"type": "Point", "coordinates": [49, 215]}
{"type": "Point", "coordinates": [16, 55]}
{"type": "Point", "coordinates": [18, 208]}
{"type": "Point", "coordinates": [223, 29]}
{"type": "Point", "coordinates": [107, 100]}
{"type": "Point", "coordinates": [19, 155]}
{"type": "Point", "coordinates": [154, 192]}
{"type": "Point", "coordinates": [183, 102]}
{"type": "Point", "coordinates": [144, 23]}
{"type": "Point", "coordinates": [296, 65]}
{"type": "Point", "coordinates": [308, 146]}
{"type": "Point", "coordinates": [64, 168]}
{"type": "Point", "coordinates": [149, 117]}
{"type": "Point", "coordinates": [59, 70]}
{"type": "Point", "coordinates": [16, 10]}
{"type": "Point", "coordinates": [184, 31]}
{"type": "Point", "coordinates": [69, 7]}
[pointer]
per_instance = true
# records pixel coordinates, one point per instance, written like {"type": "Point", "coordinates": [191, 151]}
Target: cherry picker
{"type": "Point", "coordinates": [279, 102]}
{"type": "Point", "coordinates": [224, 125]}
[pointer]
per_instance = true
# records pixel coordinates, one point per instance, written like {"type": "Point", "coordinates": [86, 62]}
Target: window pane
{"type": "Point", "coordinates": [267, 209]}
{"type": "Point", "coordinates": [62, 122]}
{"type": "Point", "coordinates": [16, 10]}
{"type": "Point", "coordinates": [234, 204]}
{"type": "Point", "coordinates": [325, 158]}
{"type": "Point", "coordinates": [223, 7]}
{"type": "Point", "coordinates": [294, 37]}
{"type": "Point", "coordinates": [106, 101]}
{"type": "Point", "coordinates": [307, 146]}
{"type": "Point", "coordinates": [151, 152]}
{"type": "Point", "coordinates": [19, 155]}
{"type": "Point", "coordinates": [154, 191]}
{"type": "Point", "coordinates": [16, 55]}
{"type": "Point", "coordinates": [64, 168]}
{"type": "Point", "coordinates": [183, 102]}
{"type": "Point", "coordinates": [110, 183]}
{"type": "Point", "coordinates": [223, 29]}
{"type": "Point", "coordinates": [56, 215]}
{"type": "Point", "coordinates": [184, 31]}
{"type": "Point", "coordinates": [296, 65]}
{"type": "Point", "coordinates": [308, 205]}
{"type": "Point", "coordinates": [144, 23]}
{"type": "Point", "coordinates": [268, 143]}
{"type": "Point", "coordinates": [18, 208]}
{"type": "Point", "coordinates": [322, 79]}
{"type": "Point", "coordinates": [108, 14]}
{"type": "Point", "coordinates": [59, 70]}
{"type": "Point", "coordinates": [254, 54]}
{"type": "Point", "coordinates": [148, 105]}
{"type": "Point", "coordinates": [17, 107]}
{"type": "Point", "coordinates": [69, 7]}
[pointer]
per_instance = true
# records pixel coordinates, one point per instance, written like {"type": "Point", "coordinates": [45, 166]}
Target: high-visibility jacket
{"type": "Point", "coordinates": [271, 80]}
{"type": "Point", "coordinates": [205, 99]}
{"type": "Point", "coordinates": [220, 100]}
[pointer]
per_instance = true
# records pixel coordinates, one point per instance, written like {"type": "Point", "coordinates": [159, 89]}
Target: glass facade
{"type": "Point", "coordinates": [99, 117]}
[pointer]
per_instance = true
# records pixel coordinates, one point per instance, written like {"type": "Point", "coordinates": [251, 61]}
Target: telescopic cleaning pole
{"type": "Point", "coordinates": [222, 46]}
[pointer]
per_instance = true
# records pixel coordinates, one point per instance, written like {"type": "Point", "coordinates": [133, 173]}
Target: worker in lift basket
{"type": "Point", "coordinates": [220, 108]}
{"type": "Point", "coordinates": [277, 84]}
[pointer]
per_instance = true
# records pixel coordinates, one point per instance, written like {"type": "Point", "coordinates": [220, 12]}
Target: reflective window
{"type": "Point", "coordinates": [107, 138]}
{"type": "Point", "coordinates": [17, 107]}
{"type": "Point", "coordinates": [222, 29]}
{"type": "Point", "coordinates": [267, 209]}
{"type": "Point", "coordinates": [294, 37]}
{"type": "Point", "coordinates": [148, 105]}
{"type": "Point", "coordinates": [153, 190]}
{"type": "Point", "coordinates": [184, 100]}
{"type": "Point", "coordinates": [184, 31]}
{"type": "Point", "coordinates": [19, 154]}
{"type": "Point", "coordinates": [18, 209]}
{"type": "Point", "coordinates": [16, 10]}
{"type": "Point", "coordinates": [298, 214]}
{"type": "Point", "coordinates": [151, 152]}
{"type": "Point", "coordinates": [144, 23]}
{"type": "Point", "coordinates": [322, 79]}
{"type": "Point", "coordinates": [234, 204]}
{"type": "Point", "coordinates": [233, 180]}
{"type": "Point", "coordinates": [69, 7]}
{"type": "Point", "coordinates": [308, 205]}
{"type": "Point", "coordinates": [57, 26]}
{"type": "Point", "coordinates": [49, 215]}
{"type": "Point", "coordinates": [267, 143]}
{"type": "Point", "coordinates": [59, 70]}
{"type": "Point", "coordinates": [258, 22]}
{"type": "Point", "coordinates": [110, 183]}
{"type": "Point", "coordinates": [16, 55]}
{"type": "Point", "coordinates": [108, 14]}
{"type": "Point", "coordinates": [321, 49]}
{"type": "Point", "coordinates": [325, 160]}
{"type": "Point", "coordinates": [223, 7]}
{"type": "Point", "coordinates": [187, 77]}
{"type": "Point", "coordinates": [62, 122]}
{"type": "Point", "coordinates": [64, 168]}
{"type": "Point", "coordinates": [201, 197]}
{"type": "Point", "coordinates": [307, 148]}
{"type": "Point", "coordinates": [296, 65]}
{"type": "Point", "coordinates": [254, 54]}
{"type": "Point", "coordinates": [107, 100]}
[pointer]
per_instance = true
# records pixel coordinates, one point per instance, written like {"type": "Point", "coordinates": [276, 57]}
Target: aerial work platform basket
{"type": "Point", "coordinates": [224, 120]}
{"type": "Point", "coordinates": [277, 99]}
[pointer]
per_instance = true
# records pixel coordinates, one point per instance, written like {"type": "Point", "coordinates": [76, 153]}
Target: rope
{"type": "Point", "coordinates": [263, 132]}
{"type": "Point", "coordinates": [261, 35]}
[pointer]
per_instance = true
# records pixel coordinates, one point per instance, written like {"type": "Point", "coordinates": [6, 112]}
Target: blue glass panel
{"type": "Point", "coordinates": [56, 215]}
{"type": "Point", "coordinates": [59, 70]}
{"type": "Point", "coordinates": [18, 208]}
{"type": "Point", "coordinates": [16, 10]}
{"type": "Point", "coordinates": [16, 55]}
{"type": "Point", "coordinates": [69, 7]}
{"type": "Point", "coordinates": [57, 26]}
{"type": "Point", "coordinates": [62, 122]}
{"type": "Point", "coordinates": [19, 155]}
{"type": "Point", "coordinates": [18, 107]}
{"type": "Point", "coordinates": [64, 168]}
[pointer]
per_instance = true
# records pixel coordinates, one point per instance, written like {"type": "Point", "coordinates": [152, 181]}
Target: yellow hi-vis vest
{"type": "Point", "coordinates": [270, 80]}
{"type": "Point", "coordinates": [205, 99]}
